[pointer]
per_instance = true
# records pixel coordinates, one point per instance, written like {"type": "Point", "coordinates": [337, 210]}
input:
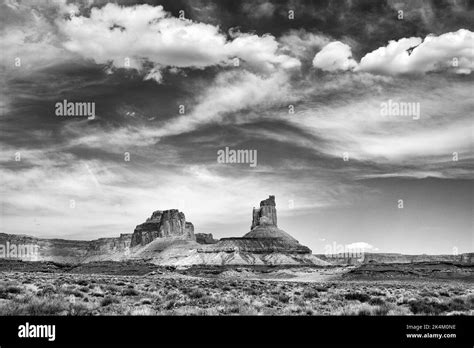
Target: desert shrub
{"type": "Point", "coordinates": [272, 302]}
{"type": "Point", "coordinates": [82, 282]}
{"type": "Point", "coordinates": [108, 300]}
{"type": "Point", "coordinates": [293, 309]}
{"type": "Point", "coordinates": [13, 289]}
{"type": "Point", "coordinates": [310, 293]}
{"type": "Point", "coordinates": [458, 304]}
{"type": "Point", "coordinates": [425, 306]}
{"type": "Point", "coordinates": [237, 307]}
{"type": "Point", "coordinates": [320, 288]}
{"type": "Point", "coordinates": [39, 306]}
{"type": "Point", "coordinates": [47, 291]}
{"type": "Point", "coordinates": [357, 296]}
{"type": "Point", "coordinates": [142, 311]}
{"type": "Point", "coordinates": [171, 296]}
{"type": "Point", "coordinates": [376, 301]}
{"type": "Point", "coordinates": [3, 293]}
{"type": "Point", "coordinates": [74, 292]}
{"type": "Point", "coordinates": [364, 311]}
{"type": "Point", "coordinates": [79, 309]}
{"type": "Point", "coordinates": [129, 292]}
{"type": "Point", "coordinates": [283, 298]}
{"type": "Point", "coordinates": [252, 292]}
{"type": "Point", "coordinates": [382, 309]}
{"type": "Point", "coordinates": [112, 288]}
{"type": "Point", "coordinates": [10, 289]}
{"type": "Point", "coordinates": [196, 293]}
{"type": "Point", "coordinates": [357, 309]}
{"type": "Point", "coordinates": [470, 301]}
{"type": "Point", "coordinates": [169, 304]}
{"type": "Point", "coordinates": [428, 293]}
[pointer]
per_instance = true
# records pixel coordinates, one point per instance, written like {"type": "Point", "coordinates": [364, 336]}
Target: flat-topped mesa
{"type": "Point", "coordinates": [162, 224]}
{"type": "Point", "coordinates": [265, 215]}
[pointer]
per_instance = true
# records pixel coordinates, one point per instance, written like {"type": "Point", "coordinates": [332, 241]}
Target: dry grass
{"type": "Point", "coordinates": [175, 294]}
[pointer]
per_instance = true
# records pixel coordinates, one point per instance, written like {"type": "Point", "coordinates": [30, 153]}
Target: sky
{"type": "Point", "coordinates": [314, 87]}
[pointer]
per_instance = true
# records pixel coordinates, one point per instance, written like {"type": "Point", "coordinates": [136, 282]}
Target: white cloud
{"type": "Point", "coordinates": [334, 56]}
{"type": "Point", "coordinates": [28, 39]}
{"type": "Point", "coordinates": [145, 33]}
{"type": "Point", "coordinates": [302, 44]}
{"type": "Point", "coordinates": [360, 246]}
{"type": "Point", "coordinates": [402, 145]}
{"type": "Point", "coordinates": [451, 51]}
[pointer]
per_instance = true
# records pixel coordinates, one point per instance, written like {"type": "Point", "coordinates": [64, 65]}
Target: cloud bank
{"type": "Point", "coordinates": [131, 37]}
{"type": "Point", "coordinates": [334, 56]}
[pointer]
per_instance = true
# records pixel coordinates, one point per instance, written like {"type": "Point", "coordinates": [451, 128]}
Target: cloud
{"type": "Point", "coordinates": [28, 36]}
{"type": "Point", "coordinates": [136, 36]}
{"type": "Point", "coordinates": [451, 51]}
{"type": "Point", "coordinates": [302, 44]}
{"type": "Point", "coordinates": [350, 121]}
{"type": "Point", "coordinates": [334, 56]}
{"type": "Point", "coordinates": [229, 94]}
{"type": "Point", "coordinates": [360, 246]}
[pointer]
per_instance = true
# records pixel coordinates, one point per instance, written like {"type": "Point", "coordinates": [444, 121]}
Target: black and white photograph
{"type": "Point", "coordinates": [246, 158]}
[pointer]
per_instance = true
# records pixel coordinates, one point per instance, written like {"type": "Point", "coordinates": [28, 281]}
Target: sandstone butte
{"type": "Point", "coordinates": [166, 238]}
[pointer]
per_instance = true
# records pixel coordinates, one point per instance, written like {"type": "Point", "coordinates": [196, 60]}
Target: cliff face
{"type": "Point", "coordinates": [163, 224]}
{"type": "Point", "coordinates": [386, 258]}
{"type": "Point", "coordinates": [266, 214]}
{"type": "Point", "coordinates": [61, 250]}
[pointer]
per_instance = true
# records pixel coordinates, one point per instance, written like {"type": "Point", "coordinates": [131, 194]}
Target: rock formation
{"type": "Point", "coordinates": [264, 229]}
{"type": "Point", "coordinates": [205, 238]}
{"type": "Point", "coordinates": [162, 224]}
{"type": "Point", "coordinates": [266, 214]}
{"type": "Point", "coordinates": [264, 244]}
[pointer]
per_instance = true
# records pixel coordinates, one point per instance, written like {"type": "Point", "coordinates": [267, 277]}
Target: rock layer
{"type": "Point", "coordinates": [257, 246]}
{"type": "Point", "coordinates": [163, 224]}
